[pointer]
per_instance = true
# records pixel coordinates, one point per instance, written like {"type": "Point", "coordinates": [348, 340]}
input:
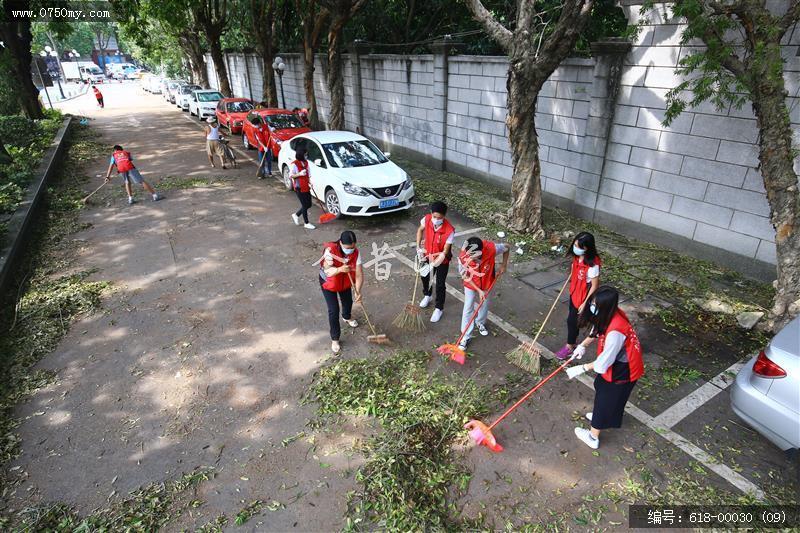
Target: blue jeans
{"type": "Point", "coordinates": [269, 161]}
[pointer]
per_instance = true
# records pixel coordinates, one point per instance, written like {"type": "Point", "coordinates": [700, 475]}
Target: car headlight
{"type": "Point", "coordinates": [354, 189]}
{"type": "Point", "coordinates": [407, 184]}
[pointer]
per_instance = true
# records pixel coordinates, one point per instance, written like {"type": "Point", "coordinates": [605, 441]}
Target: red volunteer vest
{"type": "Point", "coordinates": [301, 182]}
{"type": "Point", "coordinates": [578, 284]}
{"type": "Point", "coordinates": [621, 371]}
{"type": "Point", "coordinates": [435, 240]}
{"type": "Point", "coordinates": [122, 158]}
{"type": "Point", "coordinates": [482, 274]}
{"type": "Point", "coordinates": [340, 282]}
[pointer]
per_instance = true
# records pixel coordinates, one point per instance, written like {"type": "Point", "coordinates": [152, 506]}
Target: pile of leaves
{"type": "Point", "coordinates": [412, 472]}
{"type": "Point", "coordinates": [35, 317]}
{"type": "Point", "coordinates": [26, 141]}
{"type": "Point", "coordinates": [146, 509]}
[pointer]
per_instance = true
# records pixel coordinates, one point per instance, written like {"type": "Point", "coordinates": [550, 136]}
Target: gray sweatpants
{"type": "Point", "coordinates": [471, 301]}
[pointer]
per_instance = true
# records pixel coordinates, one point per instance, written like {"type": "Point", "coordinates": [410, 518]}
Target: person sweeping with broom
{"type": "Point", "coordinates": [476, 264]}
{"type": "Point", "coordinates": [340, 261]}
{"type": "Point", "coordinates": [301, 182]}
{"type": "Point", "coordinates": [618, 365]}
{"type": "Point", "coordinates": [584, 281]}
{"type": "Point", "coordinates": [438, 234]}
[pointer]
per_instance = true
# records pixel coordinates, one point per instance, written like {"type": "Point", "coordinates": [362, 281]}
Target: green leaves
{"type": "Point", "coordinates": [411, 469]}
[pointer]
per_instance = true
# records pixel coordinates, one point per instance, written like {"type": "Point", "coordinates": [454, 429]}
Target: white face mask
{"type": "Point", "coordinates": [437, 222]}
{"type": "Point", "coordinates": [348, 251]}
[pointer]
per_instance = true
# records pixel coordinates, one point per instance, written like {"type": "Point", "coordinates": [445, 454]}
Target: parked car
{"type": "Point", "coordinates": [203, 103]}
{"type": "Point", "coordinates": [766, 393]}
{"type": "Point", "coordinates": [350, 174]}
{"type": "Point", "coordinates": [231, 112]}
{"type": "Point", "coordinates": [154, 85]}
{"type": "Point", "coordinates": [183, 93]}
{"type": "Point", "coordinates": [282, 124]}
{"type": "Point", "coordinates": [172, 87]}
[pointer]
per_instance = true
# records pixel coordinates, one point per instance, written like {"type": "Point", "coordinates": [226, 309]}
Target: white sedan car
{"type": "Point", "coordinates": [204, 103]}
{"type": "Point", "coordinates": [183, 94]}
{"type": "Point", "coordinates": [349, 173]}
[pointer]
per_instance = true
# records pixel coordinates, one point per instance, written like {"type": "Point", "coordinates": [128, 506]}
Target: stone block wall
{"type": "Point", "coordinates": [605, 154]}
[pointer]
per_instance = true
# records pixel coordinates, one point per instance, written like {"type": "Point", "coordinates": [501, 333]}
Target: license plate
{"type": "Point", "coordinates": [394, 202]}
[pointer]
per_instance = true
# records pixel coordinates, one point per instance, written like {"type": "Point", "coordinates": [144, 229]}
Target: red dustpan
{"type": "Point", "coordinates": [482, 434]}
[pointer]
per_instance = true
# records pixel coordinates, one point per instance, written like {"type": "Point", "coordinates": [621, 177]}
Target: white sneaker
{"type": "Point", "coordinates": [437, 314]}
{"type": "Point", "coordinates": [482, 329]}
{"type": "Point", "coordinates": [336, 347]}
{"type": "Point", "coordinates": [586, 436]}
{"type": "Point", "coordinates": [309, 226]}
{"type": "Point", "coordinates": [353, 323]}
{"type": "Point", "coordinates": [463, 344]}
{"type": "Point", "coordinates": [589, 416]}
{"type": "Point", "coordinates": [295, 219]}
{"type": "Point", "coordinates": [425, 302]}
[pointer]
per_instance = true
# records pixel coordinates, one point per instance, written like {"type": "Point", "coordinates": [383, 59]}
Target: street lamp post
{"type": "Point", "coordinates": [279, 66]}
{"type": "Point", "coordinates": [52, 53]}
{"type": "Point", "coordinates": [74, 54]}
{"type": "Point", "coordinates": [41, 81]}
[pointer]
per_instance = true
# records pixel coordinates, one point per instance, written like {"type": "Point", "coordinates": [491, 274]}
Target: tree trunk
{"type": "Point", "coordinates": [336, 75]}
{"type": "Point", "coordinates": [190, 43]}
{"type": "Point", "coordinates": [16, 35]}
{"type": "Point", "coordinates": [308, 85]}
{"type": "Point", "coordinates": [525, 214]}
{"type": "Point", "coordinates": [776, 160]}
{"type": "Point", "coordinates": [270, 92]}
{"type": "Point", "coordinates": [219, 64]}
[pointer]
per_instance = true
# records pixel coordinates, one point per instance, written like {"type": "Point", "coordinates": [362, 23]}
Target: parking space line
{"type": "Point", "coordinates": [690, 403]}
{"type": "Point", "coordinates": [725, 472]}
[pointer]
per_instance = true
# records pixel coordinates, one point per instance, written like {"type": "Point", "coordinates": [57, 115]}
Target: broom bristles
{"type": "Point", "coordinates": [324, 218]}
{"type": "Point", "coordinates": [409, 319]}
{"type": "Point", "coordinates": [454, 351]}
{"type": "Point", "coordinates": [527, 357]}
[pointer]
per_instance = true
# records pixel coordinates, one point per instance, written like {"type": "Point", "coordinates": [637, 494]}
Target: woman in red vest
{"type": "Point", "coordinates": [339, 268]}
{"type": "Point", "coordinates": [301, 182]}
{"type": "Point", "coordinates": [618, 365]}
{"type": "Point", "coordinates": [585, 279]}
{"type": "Point", "coordinates": [99, 96]}
{"type": "Point", "coordinates": [477, 269]}
{"type": "Point", "coordinates": [438, 234]}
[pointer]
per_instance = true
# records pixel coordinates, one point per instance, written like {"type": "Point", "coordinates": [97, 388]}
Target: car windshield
{"type": "Point", "coordinates": [189, 88]}
{"type": "Point", "coordinates": [239, 107]}
{"type": "Point", "coordinates": [284, 121]}
{"type": "Point", "coordinates": [209, 97]}
{"type": "Point", "coordinates": [351, 154]}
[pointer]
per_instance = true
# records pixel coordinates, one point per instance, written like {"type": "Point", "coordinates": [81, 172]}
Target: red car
{"type": "Point", "coordinates": [282, 125]}
{"type": "Point", "coordinates": [231, 112]}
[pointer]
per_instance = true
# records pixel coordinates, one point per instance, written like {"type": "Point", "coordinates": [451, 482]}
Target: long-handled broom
{"type": "Point", "coordinates": [455, 351]}
{"type": "Point", "coordinates": [528, 355]}
{"type": "Point", "coordinates": [482, 434]}
{"type": "Point", "coordinates": [375, 338]}
{"type": "Point", "coordinates": [86, 200]}
{"type": "Point", "coordinates": [410, 318]}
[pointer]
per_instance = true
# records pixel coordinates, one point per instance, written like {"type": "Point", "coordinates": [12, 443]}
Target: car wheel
{"type": "Point", "coordinates": [332, 202]}
{"type": "Point", "coordinates": [287, 181]}
{"type": "Point", "coordinates": [245, 142]}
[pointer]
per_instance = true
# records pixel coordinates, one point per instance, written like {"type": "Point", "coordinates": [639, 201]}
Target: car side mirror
{"type": "Point", "coordinates": [387, 154]}
{"type": "Point", "coordinates": [318, 162]}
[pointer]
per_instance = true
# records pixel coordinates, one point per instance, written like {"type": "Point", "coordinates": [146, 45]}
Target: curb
{"type": "Point", "coordinates": [19, 224]}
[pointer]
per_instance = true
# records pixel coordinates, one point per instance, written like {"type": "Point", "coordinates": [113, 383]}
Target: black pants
{"type": "Point", "coordinates": [332, 300]}
{"type": "Point", "coordinates": [441, 291]}
{"type": "Point", "coordinates": [609, 402]}
{"type": "Point", "coordinates": [100, 102]}
{"type": "Point", "coordinates": [305, 204]}
{"type": "Point", "coordinates": [572, 324]}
